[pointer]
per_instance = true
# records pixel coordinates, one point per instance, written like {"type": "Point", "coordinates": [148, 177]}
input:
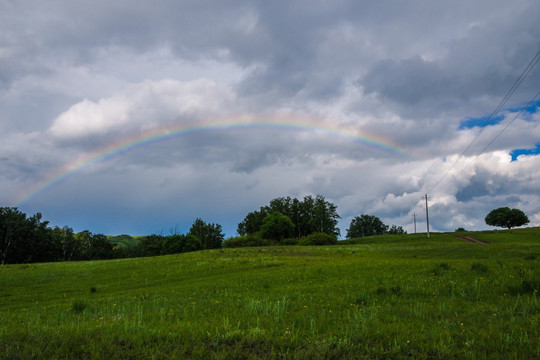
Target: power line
{"type": "Point", "coordinates": [496, 136]}
{"type": "Point", "coordinates": [510, 92]}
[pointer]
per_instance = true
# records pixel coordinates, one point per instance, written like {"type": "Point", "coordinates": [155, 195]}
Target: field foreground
{"type": "Point", "coordinates": [386, 297]}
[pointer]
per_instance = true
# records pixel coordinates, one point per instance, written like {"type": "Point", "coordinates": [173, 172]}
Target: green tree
{"type": "Point", "coordinates": [324, 217]}
{"type": "Point", "coordinates": [277, 226]}
{"type": "Point", "coordinates": [36, 246]}
{"type": "Point", "coordinates": [12, 227]}
{"type": "Point", "coordinates": [210, 235]}
{"type": "Point", "coordinates": [312, 214]}
{"type": "Point", "coordinates": [396, 230]}
{"type": "Point", "coordinates": [366, 225]}
{"type": "Point", "coordinates": [65, 243]}
{"type": "Point", "coordinates": [506, 217]}
{"type": "Point", "coordinates": [192, 243]}
{"type": "Point", "coordinates": [23, 239]}
{"type": "Point", "coordinates": [150, 245]}
{"type": "Point", "coordinates": [93, 246]}
{"type": "Point", "coordinates": [319, 239]}
{"type": "Point", "coordinates": [100, 248]}
{"type": "Point", "coordinates": [252, 222]}
{"type": "Point", "coordinates": [177, 243]}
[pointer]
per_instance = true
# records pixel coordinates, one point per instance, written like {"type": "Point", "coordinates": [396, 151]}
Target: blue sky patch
{"type": "Point", "coordinates": [479, 122]}
{"type": "Point", "coordinates": [531, 109]}
{"type": "Point", "coordinates": [515, 153]}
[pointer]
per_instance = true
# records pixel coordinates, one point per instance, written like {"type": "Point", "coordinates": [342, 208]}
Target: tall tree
{"type": "Point", "coordinates": [150, 245]}
{"type": "Point", "coordinates": [12, 227]}
{"type": "Point", "coordinates": [65, 244]}
{"type": "Point", "coordinates": [210, 235]}
{"type": "Point", "coordinates": [325, 217]}
{"type": "Point", "coordinates": [396, 230]}
{"type": "Point", "coordinates": [23, 239]}
{"type": "Point", "coordinates": [177, 243]}
{"type": "Point", "coordinates": [277, 226]}
{"type": "Point", "coordinates": [312, 214]}
{"type": "Point", "coordinates": [366, 225]}
{"type": "Point", "coordinates": [252, 222]}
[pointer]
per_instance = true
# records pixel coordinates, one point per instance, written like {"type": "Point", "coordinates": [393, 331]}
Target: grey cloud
{"type": "Point", "coordinates": [410, 81]}
{"type": "Point", "coordinates": [406, 72]}
{"type": "Point", "coordinates": [484, 62]}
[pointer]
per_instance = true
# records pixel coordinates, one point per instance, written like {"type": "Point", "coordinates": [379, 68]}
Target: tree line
{"type": "Point", "coordinates": [26, 239]}
{"type": "Point", "coordinates": [284, 221]}
{"type": "Point", "coordinates": [310, 221]}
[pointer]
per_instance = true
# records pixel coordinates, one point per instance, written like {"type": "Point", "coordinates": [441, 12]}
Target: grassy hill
{"type": "Point", "coordinates": [125, 240]}
{"type": "Point", "coordinates": [384, 297]}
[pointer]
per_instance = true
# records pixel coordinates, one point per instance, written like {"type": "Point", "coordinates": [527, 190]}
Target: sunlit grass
{"type": "Point", "coordinates": [389, 297]}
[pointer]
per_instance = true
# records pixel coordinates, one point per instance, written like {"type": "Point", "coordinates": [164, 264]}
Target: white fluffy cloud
{"type": "Point", "coordinates": [145, 105]}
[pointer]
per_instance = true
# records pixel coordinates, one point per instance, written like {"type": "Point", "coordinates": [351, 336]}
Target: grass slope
{"type": "Point", "coordinates": [125, 240]}
{"type": "Point", "coordinates": [387, 297]}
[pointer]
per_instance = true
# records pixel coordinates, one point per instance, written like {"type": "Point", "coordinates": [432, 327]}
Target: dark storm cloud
{"type": "Point", "coordinates": [483, 63]}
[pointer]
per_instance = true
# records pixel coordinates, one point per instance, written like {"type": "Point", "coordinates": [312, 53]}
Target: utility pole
{"type": "Point", "coordinates": [427, 214]}
{"type": "Point", "coordinates": [414, 216]}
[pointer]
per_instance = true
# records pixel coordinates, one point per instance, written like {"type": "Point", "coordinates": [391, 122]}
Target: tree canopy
{"type": "Point", "coordinates": [277, 226]}
{"type": "Point", "coordinates": [366, 225]}
{"type": "Point", "coordinates": [210, 235]}
{"type": "Point", "coordinates": [506, 217]}
{"type": "Point", "coordinates": [310, 215]}
{"type": "Point", "coordinates": [29, 239]}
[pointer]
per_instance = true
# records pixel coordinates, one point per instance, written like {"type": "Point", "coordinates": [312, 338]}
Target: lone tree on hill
{"type": "Point", "coordinates": [506, 217]}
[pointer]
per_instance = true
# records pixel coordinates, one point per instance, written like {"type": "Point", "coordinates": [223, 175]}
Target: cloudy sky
{"type": "Point", "coordinates": [138, 117]}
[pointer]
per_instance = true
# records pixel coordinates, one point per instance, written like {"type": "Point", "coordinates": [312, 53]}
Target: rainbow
{"type": "Point", "coordinates": [128, 144]}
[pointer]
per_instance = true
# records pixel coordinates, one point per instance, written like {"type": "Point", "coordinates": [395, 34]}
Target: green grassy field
{"type": "Point", "coordinates": [386, 297]}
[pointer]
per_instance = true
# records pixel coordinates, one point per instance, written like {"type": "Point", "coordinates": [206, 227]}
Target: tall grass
{"type": "Point", "coordinates": [402, 297]}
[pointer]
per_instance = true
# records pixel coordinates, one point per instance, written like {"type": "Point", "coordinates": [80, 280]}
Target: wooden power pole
{"type": "Point", "coordinates": [427, 214]}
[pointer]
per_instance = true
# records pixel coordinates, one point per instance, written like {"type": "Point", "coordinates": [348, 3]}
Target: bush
{"type": "Point", "coordinates": [527, 287]}
{"type": "Point", "coordinates": [277, 226]}
{"type": "Point", "coordinates": [175, 244]}
{"type": "Point", "coordinates": [396, 290]}
{"type": "Point", "coordinates": [78, 306]}
{"type": "Point", "coordinates": [319, 239]}
{"type": "Point", "coordinates": [460, 229]}
{"type": "Point", "coordinates": [289, 241]}
{"type": "Point", "coordinates": [479, 268]}
{"type": "Point", "coordinates": [251, 240]}
{"type": "Point", "coordinates": [440, 268]}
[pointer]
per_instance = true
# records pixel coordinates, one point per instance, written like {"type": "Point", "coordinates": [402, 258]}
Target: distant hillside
{"type": "Point", "coordinates": [125, 240]}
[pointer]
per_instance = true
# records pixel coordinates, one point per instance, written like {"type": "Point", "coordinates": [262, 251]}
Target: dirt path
{"type": "Point", "coordinates": [471, 239]}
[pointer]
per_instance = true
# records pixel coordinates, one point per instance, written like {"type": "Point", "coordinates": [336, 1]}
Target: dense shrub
{"type": "Point", "coordinates": [277, 226]}
{"type": "Point", "coordinates": [181, 243]}
{"type": "Point", "coordinates": [289, 241]}
{"type": "Point", "coordinates": [319, 239]}
{"type": "Point", "coordinates": [479, 268]}
{"type": "Point", "coordinates": [251, 240]}
{"type": "Point", "coordinates": [528, 286]}
{"type": "Point", "coordinates": [210, 235]}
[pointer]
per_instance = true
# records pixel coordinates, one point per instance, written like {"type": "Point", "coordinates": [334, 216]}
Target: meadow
{"type": "Point", "coordinates": [397, 297]}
